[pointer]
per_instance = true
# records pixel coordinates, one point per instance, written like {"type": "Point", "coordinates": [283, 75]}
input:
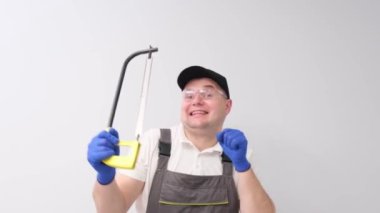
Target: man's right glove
{"type": "Point", "coordinates": [102, 146]}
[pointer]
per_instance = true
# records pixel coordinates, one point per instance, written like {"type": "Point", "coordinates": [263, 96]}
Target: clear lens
{"type": "Point", "coordinates": [204, 93]}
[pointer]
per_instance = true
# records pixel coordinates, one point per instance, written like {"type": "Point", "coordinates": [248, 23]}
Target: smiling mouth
{"type": "Point", "coordinates": [198, 112]}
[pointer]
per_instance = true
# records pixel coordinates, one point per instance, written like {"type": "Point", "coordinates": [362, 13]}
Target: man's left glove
{"type": "Point", "coordinates": [234, 144]}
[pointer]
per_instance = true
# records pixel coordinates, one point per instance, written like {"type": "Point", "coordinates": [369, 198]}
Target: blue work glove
{"type": "Point", "coordinates": [102, 146]}
{"type": "Point", "coordinates": [234, 144]}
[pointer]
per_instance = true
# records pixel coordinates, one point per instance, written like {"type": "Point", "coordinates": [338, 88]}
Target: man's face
{"type": "Point", "coordinates": [204, 105]}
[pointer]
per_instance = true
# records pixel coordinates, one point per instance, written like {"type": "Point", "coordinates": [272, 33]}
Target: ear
{"type": "Point", "coordinates": [228, 106]}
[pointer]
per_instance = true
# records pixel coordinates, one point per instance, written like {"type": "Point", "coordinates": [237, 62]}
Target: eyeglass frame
{"type": "Point", "coordinates": [202, 92]}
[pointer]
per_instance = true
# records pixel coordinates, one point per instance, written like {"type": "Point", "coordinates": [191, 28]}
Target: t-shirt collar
{"type": "Point", "coordinates": [185, 140]}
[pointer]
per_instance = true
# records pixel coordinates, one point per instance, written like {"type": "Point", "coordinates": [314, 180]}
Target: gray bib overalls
{"type": "Point", "coordinates": [177, 192]}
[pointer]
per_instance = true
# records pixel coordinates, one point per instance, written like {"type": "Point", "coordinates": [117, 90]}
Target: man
{"type": "Point", "coordinates": [196, 166]}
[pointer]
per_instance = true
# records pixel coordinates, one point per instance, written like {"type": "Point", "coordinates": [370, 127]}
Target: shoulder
{"type": "Point", "coordinates": [150, 134]}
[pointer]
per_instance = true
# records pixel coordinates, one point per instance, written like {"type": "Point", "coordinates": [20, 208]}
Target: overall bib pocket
{"type": "Point", "coordinates": [190, 193]}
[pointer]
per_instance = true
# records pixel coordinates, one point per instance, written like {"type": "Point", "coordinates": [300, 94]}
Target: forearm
{"type": "Point", "coordinates": [253, 198]}
{"type": "Point", "coordinates": [109, 198]}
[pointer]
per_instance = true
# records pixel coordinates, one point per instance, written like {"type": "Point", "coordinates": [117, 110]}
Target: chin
{"type": "Point", "coordinates": [198, 125]}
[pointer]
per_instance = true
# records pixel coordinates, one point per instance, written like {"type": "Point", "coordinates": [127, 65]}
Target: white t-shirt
{"type": "Point", "coordinates": [185, 158]}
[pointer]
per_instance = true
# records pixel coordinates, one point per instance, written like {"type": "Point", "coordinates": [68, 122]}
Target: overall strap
{"type": "Point", "coordinates": [164, 147]}
{"type": "Point", "coordinates": [165, 142]}
{"type": "Point", "coordinates": [225, 158]}
{"type": "Point", "coordinates": [163, 158]}
{"type": "Point", "coordinates": [227, 165]}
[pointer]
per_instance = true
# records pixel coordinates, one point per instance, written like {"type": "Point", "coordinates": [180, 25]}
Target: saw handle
{"type": "Point", "coordinates": [125, 161]}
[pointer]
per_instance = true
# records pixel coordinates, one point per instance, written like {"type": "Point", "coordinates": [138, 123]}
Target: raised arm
{"type": "Point", "coordinates": [110, 194]}
{"type": "Point", "coordinates": [253, 198]}
{"type": "Point", "coordinates": [118, 196]}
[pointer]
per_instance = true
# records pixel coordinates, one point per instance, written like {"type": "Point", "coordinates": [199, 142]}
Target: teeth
{"type": "Point", "coordinates": [198, 112]}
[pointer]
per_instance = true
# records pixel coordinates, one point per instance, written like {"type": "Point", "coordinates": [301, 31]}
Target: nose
{"type": "Point", "coordinates": [197, 100]}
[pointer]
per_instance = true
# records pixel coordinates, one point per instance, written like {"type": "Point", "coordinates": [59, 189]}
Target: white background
{"type": "Point", "coordinates": [303, 75]}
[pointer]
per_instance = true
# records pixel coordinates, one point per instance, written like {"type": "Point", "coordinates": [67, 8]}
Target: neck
{"type": "Point", "coordinates": [201, 138]}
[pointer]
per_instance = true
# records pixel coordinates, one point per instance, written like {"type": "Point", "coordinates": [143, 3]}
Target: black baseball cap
{"type": "Point", "coordinates": [195, 72]}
